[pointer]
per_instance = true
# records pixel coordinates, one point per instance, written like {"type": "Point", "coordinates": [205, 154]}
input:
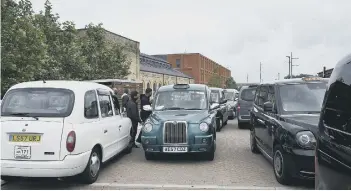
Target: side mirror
{"type": "Point", "coordinates": [236, 99]}
{"type": "Point", "coordinates": [224, 101]}
{"type": "Point", "coordinates": [268, 107]}
{"type": "Point", "coordinates": [147, 108]}
{"type": "Point", "coordinates": [214, 106]}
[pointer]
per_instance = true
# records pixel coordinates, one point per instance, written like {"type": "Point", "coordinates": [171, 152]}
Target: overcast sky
{"type": "Point", "coordinates": [236, 34]}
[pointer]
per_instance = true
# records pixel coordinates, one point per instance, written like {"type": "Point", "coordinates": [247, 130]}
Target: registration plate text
{"type": "Point", "coordinates": [24, 138]}
{"type": "Point", "coordinates": [175, 149]}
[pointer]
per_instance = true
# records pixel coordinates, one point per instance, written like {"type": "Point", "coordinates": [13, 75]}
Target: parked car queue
{"type": "Point", "coordinates": [65, 128]}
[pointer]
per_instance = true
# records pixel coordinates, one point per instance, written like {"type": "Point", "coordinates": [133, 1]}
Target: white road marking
{"type": "Point", "coordinates": [185, 187]}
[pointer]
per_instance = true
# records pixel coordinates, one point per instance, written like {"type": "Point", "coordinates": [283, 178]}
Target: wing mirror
{"type": "Point", "coordinates": [147, 108]}
{"type": "Point", "coordinates": [268, 107]}
{"type": "Point", "coordinates": [236, 99]}
{"type": "Point", "coordinates": [224, 101]}
{"type": "Point", "coordinates": [214, 106]}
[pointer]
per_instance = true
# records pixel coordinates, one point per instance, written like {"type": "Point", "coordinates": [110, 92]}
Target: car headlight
{"type": "Point", "coordinates": [147, 127]}
{"type": "Point", "coordinates": [306, 139]}
{"type": "Point", "coordinates": [203, 127]}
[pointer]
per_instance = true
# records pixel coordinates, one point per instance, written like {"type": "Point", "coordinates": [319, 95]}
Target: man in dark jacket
{"type": "Point", "coordinates": [133, 114]}
{"type": "Point", "coordinates": [125, 99]}
{"type": "Point", "coordinates": [115, 99]}
{"type": "Point", "coordinates": [144, 100]}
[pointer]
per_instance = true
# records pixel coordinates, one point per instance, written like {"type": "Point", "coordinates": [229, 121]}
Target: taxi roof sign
{"type": "Point", "coordinates": [181, 86]}
{"type": "Point", "coordinates": [312, 78]}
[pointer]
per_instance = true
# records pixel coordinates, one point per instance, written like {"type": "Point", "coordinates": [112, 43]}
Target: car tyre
{"type": "Point", "coordinates": [253, 143]}
{"type": "Point", "coordinates": [240, 125]}
{"type": "Point", "coordinates": [209, 156]}
{"type": "Point", "coordinates": [129, 148]}
{"type": "Point", "coordinates": [219, 124]}
{"type": "Point", "coordinates": [281, 165]}
{"type": "Point", "coordinates": [149, 156]}
{"type": "Point", "coordinates": [92, 170]}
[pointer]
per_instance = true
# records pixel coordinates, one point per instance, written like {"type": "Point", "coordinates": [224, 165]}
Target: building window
{"type": "Point", "coordinates": [178, 63]}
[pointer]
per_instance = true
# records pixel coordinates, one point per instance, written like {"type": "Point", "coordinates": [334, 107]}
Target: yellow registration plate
{"type": "Point", "coordinates": [25, 138]}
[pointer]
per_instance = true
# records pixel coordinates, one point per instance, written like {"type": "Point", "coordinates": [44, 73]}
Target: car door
{"type": "Point", "coordinates": [224, 106]}
{"type": "Point", "coordinates": [123, 124]}
{"type": "Point", "coordinates": [108, 124]}
{"type": "Point", "coordinates": [262, 118]}
{"type": "Point", "coordinates": [257, 122]}
{"type": "Point", "coordinates": [271, 123]}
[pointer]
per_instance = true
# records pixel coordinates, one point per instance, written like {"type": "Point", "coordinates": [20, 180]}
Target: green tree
{"type": "Point", "coordinates": [215, 80]}
{"type": "Point", "coordinates": [23, 47]}
{"type": "Point", "coordinates": [65, 57]}
{"type": "Point", "coordinates": [230, 83]}
{"type": "Point", "coordinates": [298, 76]}
{"type": "Point", "coordinates": [106, 59]}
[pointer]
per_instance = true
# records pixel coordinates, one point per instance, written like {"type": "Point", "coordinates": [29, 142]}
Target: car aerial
{"type": "Point", "coordinates": [333, 151]}
{"type": "Point", "coordinates": [232, 96]}
{"type": "Point", "coordinates": [217, 96]}
{"type": "Point", "coordinates": [283, 121]}
{"type": "Point", "coordinates": [60, 129]}
{"type": "Point", "coordinates": [182, 121]}
{"type": "Point", "coordinates": [245, 102]}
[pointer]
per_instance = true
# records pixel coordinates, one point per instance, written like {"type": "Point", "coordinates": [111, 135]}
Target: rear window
{"type": "Point", "coordinates": [248, 94]}
{"type": "Point", "coordinates": [38, 102]}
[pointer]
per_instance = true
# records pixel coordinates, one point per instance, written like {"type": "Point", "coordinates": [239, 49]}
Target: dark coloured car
{"type": "Point", "coordinates": [245, 102]}
{"type": "Point", "coordinates": [231, 95]}
{"type": "Point", "coordinates": [182, 121]}
{"type": "Point", "coordinates": [284, 119]}
{"type": "Point", "coordinates": [218, 96]}
{"type": "Point", "coordinates": [333, 152]}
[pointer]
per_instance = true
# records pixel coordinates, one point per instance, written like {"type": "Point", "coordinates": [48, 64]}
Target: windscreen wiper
{"type": "Point", "coordinates": [193, 109]}
{"type": "Point", "coordinates": [24, 115]}
{"type": "Point", "coordinates": [173, 108]}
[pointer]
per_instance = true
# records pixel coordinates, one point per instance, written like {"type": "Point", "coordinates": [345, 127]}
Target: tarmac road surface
{"type": "Point", "coordinates": [234, 167]}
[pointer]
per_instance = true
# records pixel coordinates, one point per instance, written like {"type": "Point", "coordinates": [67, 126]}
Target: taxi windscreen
{"type": "Point", "coordinates": [180, 100]}
{"type": "Point", "coordinates": [302, 97]}
{"type": "Point", "coordinates": [38, 102]}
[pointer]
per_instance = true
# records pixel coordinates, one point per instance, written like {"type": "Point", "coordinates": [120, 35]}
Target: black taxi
{"type": "Point", "coordinates": [333, 152]}
{"type": "Point", "coordinates": [283, 121]}
{"type": "Point", "coordinates": [182, 121]}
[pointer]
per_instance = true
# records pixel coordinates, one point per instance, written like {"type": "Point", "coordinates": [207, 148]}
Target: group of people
{"type": "Point", "coordinates": [130, 107]}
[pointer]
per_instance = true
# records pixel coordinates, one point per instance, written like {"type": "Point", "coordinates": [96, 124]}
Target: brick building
{"type": "Point", "coordinates": [156, 72]}
{"type": "Point", "coordinates": [198, 66]}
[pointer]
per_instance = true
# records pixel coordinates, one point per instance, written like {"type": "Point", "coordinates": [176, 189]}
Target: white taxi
{"type": "Point", "coordinates": [60, 129]}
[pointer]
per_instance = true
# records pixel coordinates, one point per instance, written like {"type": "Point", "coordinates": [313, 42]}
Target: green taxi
{"type": "Point", "coordinates": [182, 121]}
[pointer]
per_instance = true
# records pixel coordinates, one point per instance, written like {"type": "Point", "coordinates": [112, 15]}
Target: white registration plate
{"type": "Point", "coordinates": [175, 149]}
{"type": "Point", "coordinates": [22, 152]}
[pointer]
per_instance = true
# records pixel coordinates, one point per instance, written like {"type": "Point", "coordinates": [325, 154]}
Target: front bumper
{"type": "Point", "coordinates": [71, 165]}
{"type": "Point", "coordinates": [201, 144]}
{"type": "Point", "coordinates": [301, 164]}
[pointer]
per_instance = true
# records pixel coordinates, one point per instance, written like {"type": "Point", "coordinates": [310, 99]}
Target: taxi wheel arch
{"type": "Point", "coordinates": [283, 176]}
{"type": "Point", "coordinates": [85, 176]}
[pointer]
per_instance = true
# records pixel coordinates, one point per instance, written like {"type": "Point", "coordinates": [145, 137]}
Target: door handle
{"type": "Point", "coordinates": [105, 131]}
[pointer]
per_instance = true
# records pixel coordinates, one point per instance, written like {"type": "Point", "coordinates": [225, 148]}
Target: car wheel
{"type": "Point", "coordinates": [149, 156]}
{"type": "Point", "coordinates": [129, 148]}
{"type": "Point", "coordinates": [240, 125]}
{"type": "Point", "coordinates": [280, 166]}
{"type": "Point", "coordinates": [92, 170]}
{"type": "Point", "coordinates": [211, 153]}
{"type": "Point", "coordinates": [253, 144]}
{"type": "Point", "coordinates": [219, 124]}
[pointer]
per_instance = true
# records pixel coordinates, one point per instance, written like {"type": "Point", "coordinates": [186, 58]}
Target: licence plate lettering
{"type": "Point", "coordinates": [175, 149]}
{"type": "Point", "coordinates": [22, 152]}
{"type": "Point", "coordinates": [25, 138]}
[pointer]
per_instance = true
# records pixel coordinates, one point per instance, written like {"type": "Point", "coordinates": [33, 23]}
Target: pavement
{"type": "Point", "coordinates": [234, 167]}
